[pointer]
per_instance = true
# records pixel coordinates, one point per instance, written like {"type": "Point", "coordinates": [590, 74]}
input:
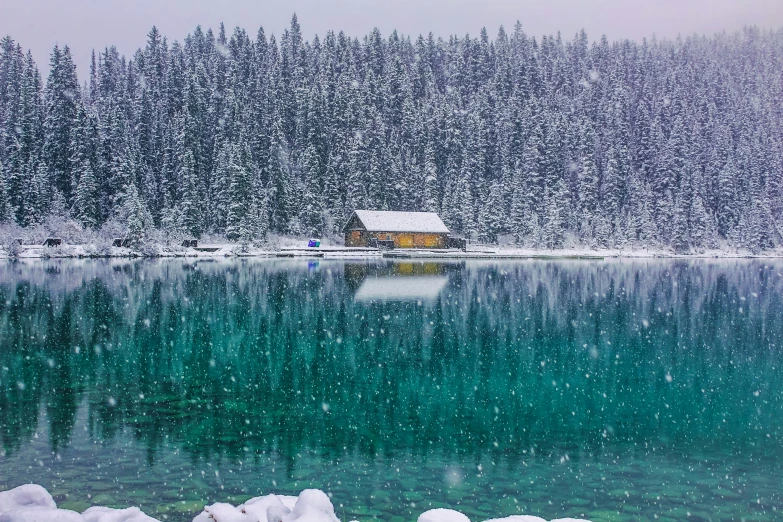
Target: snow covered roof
{"type": "Point", "coordinates": [384, 221]}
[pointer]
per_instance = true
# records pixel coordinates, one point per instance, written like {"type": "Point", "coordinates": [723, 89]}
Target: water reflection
{"type": "Point", "coordinates": [417, 288]}
{"type": "Point", "coordinates": [508, 363]}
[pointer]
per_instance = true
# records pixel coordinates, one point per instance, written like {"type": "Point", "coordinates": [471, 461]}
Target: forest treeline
{"type": "Point", "coordinates": [539, 142]}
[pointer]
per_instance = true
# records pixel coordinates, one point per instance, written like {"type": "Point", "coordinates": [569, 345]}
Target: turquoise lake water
{"type": "Point", "coordinates": [611, 390]}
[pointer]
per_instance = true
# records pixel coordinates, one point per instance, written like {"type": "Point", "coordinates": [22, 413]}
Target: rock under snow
{"type": "Point", "coordinates": [313, 505]}
{"type": "Point", "coordinates": [40, 514]}
{"type": "Point", "coordinates": [105, 514]}
{"type": "Point", "coordinates": [517, 518]}
{"type": "Point", "coordinates": [32, 503]}
{"type": "Point", "coordinates": [258, 506]}
{"type": "Point", "coordinates": [221, 512]}
{"type": "Point", "coordinates": [443, 515]}
{"type": "Point", "coordinates": [29, 495]}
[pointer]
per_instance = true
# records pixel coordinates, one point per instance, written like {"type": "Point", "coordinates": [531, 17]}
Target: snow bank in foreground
{"type": "Point", "coordinates": [313, 505]}
{"type": "Point", "coordinates": [30, 495]}
{"type": "Point", "coordinates": [32, 503]}
{"type": "Point", "coordinates": [449, 515]}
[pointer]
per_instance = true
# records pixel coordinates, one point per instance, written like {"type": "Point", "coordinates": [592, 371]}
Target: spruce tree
{"type": "Point", "coordinates": [312, 207]}
{"type": "Point", "coordinates": [85, 203]}
{"type": "Point", "coordinates": [279, 180]}
{"type": "Point", "coordinates": [679, 234]}
{"type": "Point", "coordinates": [138, 220]}
{"type": "Point", "coordinates": [552, 229]}
{"type": "Point", "coordinates": [191, 204]}
{"type": "Point", "coordinates": [519, 211]}
{"type": "Point", "coordinates": [430, 189]}
{"type": "Point", "coordinates": [6, 212]}
{"type": "Point", "coordinates": [240, 197]}
{"type": "Point", "coordinates": [62, 102]}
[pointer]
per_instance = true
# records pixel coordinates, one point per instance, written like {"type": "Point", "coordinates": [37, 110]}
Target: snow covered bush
{"type": "Point", "coordinates": [8, 240]}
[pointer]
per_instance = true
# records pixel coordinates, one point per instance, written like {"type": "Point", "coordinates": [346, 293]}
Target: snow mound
{"type": "Point", "coordinates": [312, 505]}
{"type": "Point", "coordinates": [443, 515]}
{"type": "Point", "coordinates": [29, 495]}
{"type": "Point", "coordinates": [518, 518]}
{"type": "Point", "coordinates": [32, 503]}
{"type": "Point", "coordinates": [221, 512]}
{"type": "Point", "coordinates": [40, 514]}
{"type": "Point", "coordinates": [104, 514]}
{"type": "Point", "coordinates": [258, 506]}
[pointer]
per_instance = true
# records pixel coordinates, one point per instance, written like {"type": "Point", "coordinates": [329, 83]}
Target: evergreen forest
{"type": "Point", "coordinates": [541, 142]}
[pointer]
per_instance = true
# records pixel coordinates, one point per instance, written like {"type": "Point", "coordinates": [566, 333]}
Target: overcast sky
{"type": "Point", "coordinates": [93, 24]}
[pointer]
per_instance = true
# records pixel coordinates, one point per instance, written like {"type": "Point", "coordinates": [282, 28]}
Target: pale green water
{"type": "Point", "coordinates": [609, 390]}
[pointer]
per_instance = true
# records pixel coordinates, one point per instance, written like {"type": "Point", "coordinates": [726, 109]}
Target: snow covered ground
{"type": "Point", "coordinates": [32, 503]}
{"type": "Point", "coordinates": [299, 249]}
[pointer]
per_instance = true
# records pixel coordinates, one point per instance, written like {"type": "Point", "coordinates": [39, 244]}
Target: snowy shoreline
{"type": "Point", "coordinates": [33, 503]}
{"type": "Point", "coordinates": [228, 250]}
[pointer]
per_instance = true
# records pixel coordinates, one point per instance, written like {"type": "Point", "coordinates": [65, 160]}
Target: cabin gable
{"type": "Point", "coordinates": [354, 223]}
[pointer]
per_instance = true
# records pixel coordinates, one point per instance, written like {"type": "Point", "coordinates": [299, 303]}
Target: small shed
{"type": "Point", "coordinates": [405, 229]}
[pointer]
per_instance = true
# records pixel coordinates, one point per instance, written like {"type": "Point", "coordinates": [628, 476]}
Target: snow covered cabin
{"type": "Point", "coordinates": [406, 229]}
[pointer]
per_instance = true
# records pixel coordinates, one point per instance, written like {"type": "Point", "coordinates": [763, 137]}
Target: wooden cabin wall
{"type": "Point", "coordinates": [361, 238]}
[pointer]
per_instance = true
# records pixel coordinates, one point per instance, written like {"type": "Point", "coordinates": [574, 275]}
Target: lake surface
{"type": "Point", "coordinates": [615, 391]}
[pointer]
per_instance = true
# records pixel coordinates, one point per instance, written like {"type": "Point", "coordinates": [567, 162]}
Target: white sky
{"type": "Point", "coordinates": [88, 24]}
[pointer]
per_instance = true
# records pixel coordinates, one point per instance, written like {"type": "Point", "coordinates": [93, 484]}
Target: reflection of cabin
{"type": "Point", "coordinates": [398, 280]}
{"type": "Point", "coordinates": [413, 288]}
{"type": "Point", "coordinates": [357, 273]}
{"type": "Point", "coordinates": [405, 229]}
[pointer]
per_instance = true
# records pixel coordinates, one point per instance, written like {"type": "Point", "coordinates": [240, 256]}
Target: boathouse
{"type": "Point", "coordinates": [403, 229]}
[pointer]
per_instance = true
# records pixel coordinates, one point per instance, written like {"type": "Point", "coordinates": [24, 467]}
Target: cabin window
{"type": "Point", "coordinates": [406, 240]}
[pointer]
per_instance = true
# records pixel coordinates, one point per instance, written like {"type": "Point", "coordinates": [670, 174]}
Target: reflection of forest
{"type": "Point", "coordinates": [225, 355]}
